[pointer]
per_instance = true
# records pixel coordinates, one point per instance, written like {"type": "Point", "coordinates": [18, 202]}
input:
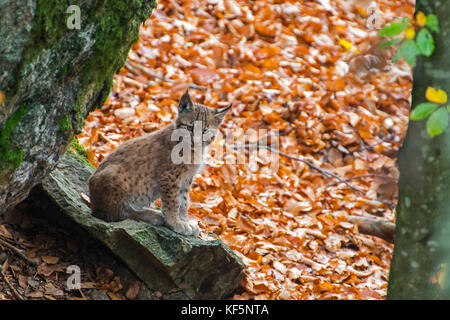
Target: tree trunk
{"type": "Point", "coordinates": [422, 240]}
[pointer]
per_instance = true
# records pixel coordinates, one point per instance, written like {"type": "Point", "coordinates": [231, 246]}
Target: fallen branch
{"type": "Point", "coordinates": [132, 66]}
{"type": "Point", "coordinates": [10, 286]}
{"type": "Point", "coordinates": [324, 172]}
{"type": "Point", "coordinates": [364, 176]}
{"type": "Point", "coordinates": [375, 227]}
{"type": "Point", "coordinates": [18, 252]}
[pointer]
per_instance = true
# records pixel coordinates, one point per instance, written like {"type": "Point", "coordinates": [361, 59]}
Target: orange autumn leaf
{"type": "Point", "coordinates": [421, 19]}
{"type": "Point", "coordinates": [203, 76]}
{"type": "Point", "coordinates": [436, 95]}
{"type": "Point", "coordinates": [267, 52]}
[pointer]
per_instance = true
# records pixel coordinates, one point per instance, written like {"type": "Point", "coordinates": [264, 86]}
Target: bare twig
{"type": "Point", "coordinates": [326, 173]}
{"type": "Point", "coordinates": [18, 252]}
{"type": "Point", "coordinates": [10, 286]}
{"type": "Point", "coordinates": [375, 227]}
{"type": "Point", "coordinates": [364, 176]}
{"type": "Point", "coordinates": [132, 66]}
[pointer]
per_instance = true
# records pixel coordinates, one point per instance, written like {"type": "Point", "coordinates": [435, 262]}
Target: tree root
{"type": "Point", "coordinates": [375, 227]}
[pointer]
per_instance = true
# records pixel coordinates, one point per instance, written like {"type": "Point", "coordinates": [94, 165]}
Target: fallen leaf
{"type": "Point", "coordinates": [436, 95]}
{"type": "Point", "coordinates": [45, 270]}
{"type": "Point", "coordinates": [4, 232]}
{"type": "Point", "coordinates": [114, 296]}
{"type": "Point", "coordinates": [203, 76]}
{"type": "Point", "coordinates": [50, 259]}
{"type": "Point", "coordinates": [133, 291]}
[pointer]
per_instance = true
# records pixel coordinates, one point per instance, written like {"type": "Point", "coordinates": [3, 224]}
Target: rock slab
{"type": "Point", "coordinates": [179, 267]}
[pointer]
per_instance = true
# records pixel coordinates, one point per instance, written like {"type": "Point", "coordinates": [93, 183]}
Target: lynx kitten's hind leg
{"type": "Point", "coordinates": [149, 215]}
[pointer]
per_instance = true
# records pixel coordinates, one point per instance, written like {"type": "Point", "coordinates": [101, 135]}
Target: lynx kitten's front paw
{"type": "Point", "coordinates": [194, 226]}
{"type": "Point", "coordinates": [184, 227]}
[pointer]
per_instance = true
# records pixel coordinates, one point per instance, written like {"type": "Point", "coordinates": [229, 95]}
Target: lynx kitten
{"type": "Point", "coordinates": [143, 169]}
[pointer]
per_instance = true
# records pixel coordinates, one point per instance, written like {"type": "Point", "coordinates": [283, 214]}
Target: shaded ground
{"type": "Point", "coordinates": [53, 250]}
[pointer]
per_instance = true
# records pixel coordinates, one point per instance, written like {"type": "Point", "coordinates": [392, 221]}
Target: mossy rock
{"type": "Point", "coordinates": [52, 76]}
{"type": "Point", "coordinates": [178, 266]}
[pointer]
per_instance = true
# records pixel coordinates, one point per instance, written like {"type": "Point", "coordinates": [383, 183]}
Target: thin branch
{"type": "Point", "coordinates": [132, 66]}
{"type": "Point", "coordinates": [18, 252]}
{"type": "Point", "coordinates": [13, 290]}
{"type": "Point", "coordinates": [326, 173]}
{"type": "Point", "coordinates": [364, 176]}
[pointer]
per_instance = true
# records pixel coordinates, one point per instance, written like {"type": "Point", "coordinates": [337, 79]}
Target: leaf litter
{"type": "Point", "coordinates": [311, 70]}
{"type": "Point", "coordinates": [37, 268]}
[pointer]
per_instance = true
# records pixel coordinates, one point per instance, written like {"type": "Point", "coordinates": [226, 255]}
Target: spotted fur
{"type": "Point", "coordinates": [141, 170]}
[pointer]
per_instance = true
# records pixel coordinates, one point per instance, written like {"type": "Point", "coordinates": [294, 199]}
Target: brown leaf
{"type": "Point", "coordinates": [244, 224]}
{"type": "Point", "coordinates": [368, 293]}
{"type": "Point", "coordinates": [133, 291]}
{"type": "Point", "coordinates": [45, 270]}
{"type": "Point", "coordinates": [4, 232]}
{"type": "Point", "coordinates": [296, 207]}
{"type": "Point", "coordinates": [88, 285]}
{"type": "Point", "coordinates": [35, 294]}
{"type": "Point", "coordinates": [22, 280]}
{"type": "Point", "coordinates": [114, 296]}
{"type": "Point", "coordinates": [51, 290]}
{"type": "Point", "coordinates": [202, 76]}
{"type": "Point", "coordinates": [50, 259]}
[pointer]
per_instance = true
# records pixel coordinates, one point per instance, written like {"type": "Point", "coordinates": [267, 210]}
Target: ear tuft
{"type": "Point", "coordinates": [185, 102]}
{"type": "Point", "coordinates": [224, 110]}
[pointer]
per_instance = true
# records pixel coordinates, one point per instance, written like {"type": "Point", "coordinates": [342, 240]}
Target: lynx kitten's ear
{"type": "Point", "coordinates": [185, 103]}
{"type": "Point", "coordinates": [220, 113]}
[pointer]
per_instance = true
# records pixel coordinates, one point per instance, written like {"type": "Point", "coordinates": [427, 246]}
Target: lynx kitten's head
{"type": "Point", "coordinates": [199, 119]}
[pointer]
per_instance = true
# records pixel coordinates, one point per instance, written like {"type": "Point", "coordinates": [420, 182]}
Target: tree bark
{"type": "Point", "coordinates": [422, 241]}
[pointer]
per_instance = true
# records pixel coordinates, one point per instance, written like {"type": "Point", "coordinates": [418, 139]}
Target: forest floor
{"type": "Point", "coordinates": [308, 70]}
{"type": "Point", "coordinates": [39, 258]}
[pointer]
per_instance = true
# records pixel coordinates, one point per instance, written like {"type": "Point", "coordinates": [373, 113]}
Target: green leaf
{"type": "Point", "coordinates": [425, 42]}
{"type": "Point", "coordinates": [394, 28]}
{"type": "Point", "coordinates": [423, 110]}
{"type": "Point", "coordinates": [407, 50]}
{"type": "Point", "coordinates": [437, 122]}
{"type": "Point", "coordinates": [388, 44]}
{"type": "Point", "coordinates": [432, 22]}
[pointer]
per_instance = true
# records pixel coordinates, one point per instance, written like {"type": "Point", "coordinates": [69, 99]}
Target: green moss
{"type": "Point", "coordinates": [78, 148]}
{"type": "Point", "coordinates": [55, 54]}
{"type": "Point", "coordinates": [64, 124]}
{"type": "Point", "coordinates": [79, 152]}
{"type": "Point", "coordinates": [104, 93]}
{"type": "Point", "coordinates": [113, 31]}
{"type": "Point", "coordinates": [49, 26]}
{"type": "Point", "coordinates": [117, 28]}
{"type": "Point", "coordinates": [10, 159]}
{"type": "Point", "coordinates": [114, 37]}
